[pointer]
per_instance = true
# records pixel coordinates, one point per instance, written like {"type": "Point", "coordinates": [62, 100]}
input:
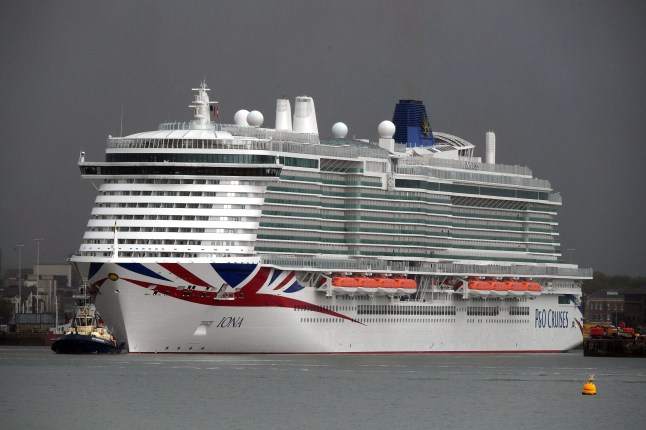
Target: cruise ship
{"type": "Point", "coordinates": [207, 237]}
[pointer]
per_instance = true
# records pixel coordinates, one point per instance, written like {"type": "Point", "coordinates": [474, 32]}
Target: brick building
{"type": "Point", "coordinates": [628, 305]}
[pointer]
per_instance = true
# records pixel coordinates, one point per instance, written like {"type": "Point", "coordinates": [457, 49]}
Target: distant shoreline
{"type": "Point", "coordinates": [22, 339]}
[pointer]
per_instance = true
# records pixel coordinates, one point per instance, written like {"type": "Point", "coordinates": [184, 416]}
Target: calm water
{"type": "Point", "coordinates": [42, 390]}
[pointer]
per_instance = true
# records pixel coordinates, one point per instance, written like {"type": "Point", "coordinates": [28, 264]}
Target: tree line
{"type": "Point", "coordinates": [601, 281]}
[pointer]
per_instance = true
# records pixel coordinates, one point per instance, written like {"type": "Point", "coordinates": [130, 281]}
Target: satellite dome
{"type": "Point", "coordinates": [255, 118]}
{"type": "Point", "coordinates": [386, 130]}
{"type": "Point", "coordinates": [339, 130]}
{"type": "Point", "coordinates": [240, 118]}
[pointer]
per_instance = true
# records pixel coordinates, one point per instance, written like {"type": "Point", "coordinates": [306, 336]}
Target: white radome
{"type": "Point", "coordinates": [339, 130]}
{"type": "Point", "coordinates": [386, 129]}
{"type": "Point", "coordinates": [255, 118]}
{"type": "Point", "coordinates": [240, 118]}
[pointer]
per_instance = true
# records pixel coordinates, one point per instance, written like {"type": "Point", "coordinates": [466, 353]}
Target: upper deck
{"type": "Point", "coordinates": [206, 190]}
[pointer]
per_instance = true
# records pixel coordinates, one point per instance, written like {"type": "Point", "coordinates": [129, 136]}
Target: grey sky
{"type": "Point", "coordinates": [561, 83]}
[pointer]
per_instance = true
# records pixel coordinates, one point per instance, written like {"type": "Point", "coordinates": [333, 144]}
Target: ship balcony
{"type": "Point", "coordinates": [201, 236]}
{"type": "Point", "coordinates": [187, 251]}
{"type": "Point", "coordinates": [108, 170]}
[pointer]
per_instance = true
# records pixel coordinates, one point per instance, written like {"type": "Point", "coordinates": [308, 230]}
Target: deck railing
{"type": "Point", "coordinates": [466, 165]}
{"type": "Point", "coordinates": [429, 171]}
{"type": "Point", "coordinates": [442, 268]}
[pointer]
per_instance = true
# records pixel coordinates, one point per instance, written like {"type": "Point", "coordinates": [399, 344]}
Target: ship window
{"type": "Point", "coordinates": [191, 158]}
{"type": "Point", "coordinates": [179, 170]}
{"type": "Point", "coordinates": [299, 162]}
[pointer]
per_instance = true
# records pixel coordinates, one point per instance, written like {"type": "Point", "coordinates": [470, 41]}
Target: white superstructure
{"type": "Point", "coordinates": [209, 237]}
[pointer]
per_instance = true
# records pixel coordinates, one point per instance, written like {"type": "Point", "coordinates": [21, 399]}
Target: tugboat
{"type": "Point", "coordinates": [87, 335]}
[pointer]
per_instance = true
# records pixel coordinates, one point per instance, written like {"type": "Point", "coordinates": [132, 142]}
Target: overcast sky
{"type": "Point", "coordinates": [562, 83]}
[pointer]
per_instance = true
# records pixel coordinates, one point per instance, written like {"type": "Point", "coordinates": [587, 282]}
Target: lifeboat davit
{"type": "Point", "coordinates": [499, 288]}
{"type": "Point", "coordinates": [344, 285]}
{"type": "Point", "coordinates": [386, 286]}
{"type": "Point", "coordinates": [517, 288]}
{"type": "Point", "coordinates": [366, 285]}
{"type": "Point", "coordinates": [534, 288]}
{"type": "Point", "coordinates": [405, 286]}
{"type": "Point", "coordinates": [482, 288]}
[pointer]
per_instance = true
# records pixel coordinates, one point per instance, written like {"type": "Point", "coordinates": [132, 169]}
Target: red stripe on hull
{"type": "Point", "coordinates": [179, 271]}
{"type": "Point", "coordinates": [246, 297]}
{"type": "Point", "coordinates": [285, 281]}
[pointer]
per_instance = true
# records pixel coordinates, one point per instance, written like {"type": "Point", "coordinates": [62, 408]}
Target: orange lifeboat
{"type": "Point", "coordinates": [366, 285]}
{"type": "Point", "coordinates": [405, 286]}
{"type": "Point", "coordinates": [499, 288]}
{"type": "Point", "coordinates": [482, 288]}
{"type": "Point", "coordinates": [517, 288]}
{"type": "Point", "coordinates": [534, 288]}
{"type": "Point", "coordinates": [386, 286]}
{"type": "Point", "coordinates": [344, 284]}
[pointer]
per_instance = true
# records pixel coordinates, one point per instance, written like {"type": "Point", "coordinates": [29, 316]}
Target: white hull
{"type": "Point", "coordinates": [158, 323]}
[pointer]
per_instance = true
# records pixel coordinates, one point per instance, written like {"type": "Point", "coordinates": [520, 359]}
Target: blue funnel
{"type": "Point", "coordinates": [412, 125]}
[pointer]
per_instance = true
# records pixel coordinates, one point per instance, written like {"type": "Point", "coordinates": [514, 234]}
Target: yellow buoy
{"type": "Point", "coordinates": [589, 389]}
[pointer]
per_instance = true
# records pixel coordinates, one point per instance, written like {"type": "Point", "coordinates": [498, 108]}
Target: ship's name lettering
{"type": "Point", "coordinates": [230, 322]}
{"type": "Point", "coordinates": [471, 165]}
{"type": "Point", "coordinates": [550, 319]}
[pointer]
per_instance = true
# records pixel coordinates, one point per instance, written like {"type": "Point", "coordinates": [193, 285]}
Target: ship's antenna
{"type": "Point", "coordinates": [121, 131]}
{"type": "Point", "coordinates": [202, 105]}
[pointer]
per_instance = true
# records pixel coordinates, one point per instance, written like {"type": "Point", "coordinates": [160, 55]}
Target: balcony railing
{"type": "Point", "coordinates": [408, 169]}
{"type": "Point", "coordinates": [449, 269]}
{"type": "Point", "coordinates": [466, 165]}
